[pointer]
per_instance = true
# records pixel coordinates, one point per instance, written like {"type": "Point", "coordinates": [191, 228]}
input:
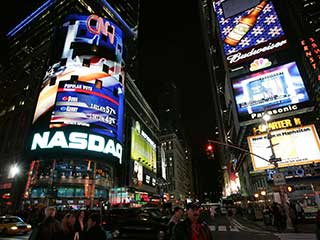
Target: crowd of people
{"type": "Point", "coordinates": [278, 215]}
{"type": "Point", "coordinates": [73, 226]}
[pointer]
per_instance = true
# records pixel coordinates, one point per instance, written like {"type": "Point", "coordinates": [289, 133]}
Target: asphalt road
{"type": "Point", "coordinates": [221, 229]}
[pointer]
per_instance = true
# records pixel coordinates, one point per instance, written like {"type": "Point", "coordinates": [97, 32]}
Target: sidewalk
{"type": "Point", "coordinates": [259, 224]}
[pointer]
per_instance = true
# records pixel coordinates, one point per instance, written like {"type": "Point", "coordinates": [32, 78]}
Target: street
{"type": "Point", "coordinates": [221, 229]}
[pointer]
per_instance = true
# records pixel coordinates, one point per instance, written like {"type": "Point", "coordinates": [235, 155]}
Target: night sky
{"type": "Point", "coordinates": [171, 49]}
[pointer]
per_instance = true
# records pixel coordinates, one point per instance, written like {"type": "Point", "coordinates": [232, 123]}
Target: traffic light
{"type": "Point", "coordinates": [210, 150]}
{"type": "Point", "coordinates": [290, 188]}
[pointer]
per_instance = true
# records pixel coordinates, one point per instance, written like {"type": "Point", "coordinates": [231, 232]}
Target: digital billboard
{"type": "Point", "coordinates": [81, 101]}
{"type": "Point", "coordinates": [295, 146]}
{"type": "Point", "coordinates": [143, 148]}
{"type": "Point", "coordinates": [250, 34]}
{"type": "Point", "coordinates": [276, 90]}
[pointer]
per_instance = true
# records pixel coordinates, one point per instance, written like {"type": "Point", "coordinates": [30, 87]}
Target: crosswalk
{"type": "Point", "coordinates": [223, 228]}
{"type": "Point", "coordinates": [296, 236]}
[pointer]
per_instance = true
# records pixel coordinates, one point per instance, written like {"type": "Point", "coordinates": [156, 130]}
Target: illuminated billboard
{"type": "Point", "coordinates": [276, 90]}
{"type": "Point", "coordinates": [81, 101]}
{"type": "Point", "coordinates": [250, 34]}
{"type": "Point", "coordinates": [84, 104]}
{"type": "Point", "coordinates": [143, 149]}
{"type": "Point", "coordinates": [295, 146]}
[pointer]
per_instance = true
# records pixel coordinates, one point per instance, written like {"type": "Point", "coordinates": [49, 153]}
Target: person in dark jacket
{"type": "Point", "coordinates": [192, 228]}
{"type": "Point", "coordinates": [176, 217]}
{"type": "Point", "coordinates": [94, 230]}
{"type": "Point", "coordinates": [49, 229]}
{"type": "Point", "coordinates": [79, 225]}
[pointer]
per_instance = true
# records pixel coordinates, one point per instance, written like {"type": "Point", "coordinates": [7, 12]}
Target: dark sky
{"type": "Point", "coordinates": [172, 50]}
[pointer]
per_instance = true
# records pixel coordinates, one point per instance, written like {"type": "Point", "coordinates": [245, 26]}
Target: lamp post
{"type": "Point", "coordinates": [274, 160]}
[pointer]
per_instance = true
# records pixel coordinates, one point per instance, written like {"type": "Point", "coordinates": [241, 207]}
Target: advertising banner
{"type": "Point", "coordinates": [249, 34]}
{"type": "Point", "coordinates": [276, 90]}
{"type": "Point", "coordinates": [81, 101]}
{"type": "Point", "coordinates": [294, 146]}
{"type": "Point", "coordinates": [143, 149]}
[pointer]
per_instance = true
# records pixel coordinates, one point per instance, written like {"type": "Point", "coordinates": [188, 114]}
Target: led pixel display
{"type": "Point", "coordinates": [255, 32]}
{"type": "Point", "coordinates": [81, 101]}
{"type": "Point", "coordinates": [276, 90]}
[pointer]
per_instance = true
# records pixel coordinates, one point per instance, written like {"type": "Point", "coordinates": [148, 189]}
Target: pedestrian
{"type": "Point", "coordinates": [212, 212]}
{"type": "Point", "coordinates": [79, 225]}
{"type": "Point", "coordinates": [49, 228]}
{"type": "Point", "coordinates": [283, 217]}
{"type": "Point", "coordinates": [276, 215]}
{"type": "Point", "coordinates": [230, 217]}
{"type": "Point", "coordinates": [176, 217]}
{"type": "Point", "coordinates": [293, 216]}
{"type": "Point", "coordinates": [94, 230]}
{"type": "Point", "coordinates": [192, 228]}
{"type": "Point", "coordinates": [299, 211]}
{"type": "Point", "coordinates": [67, 224]}
{"type": "Point", "coordinates": [318, 224]}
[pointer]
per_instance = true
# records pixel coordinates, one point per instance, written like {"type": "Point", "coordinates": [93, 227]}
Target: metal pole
{"type": "Point", "coordinates": [274, 161]}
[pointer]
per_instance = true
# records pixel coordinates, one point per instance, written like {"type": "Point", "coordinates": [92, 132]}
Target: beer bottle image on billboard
{"type": "Point", "coordinates": [244, 25]}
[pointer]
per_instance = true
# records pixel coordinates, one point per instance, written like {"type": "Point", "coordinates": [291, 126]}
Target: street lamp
{"type": "Point", "coordinates": [273, 160]}
{"type": "Point", "coordinates": [13, 171]}
{"type": "Point", "coordinates": [266, 117]}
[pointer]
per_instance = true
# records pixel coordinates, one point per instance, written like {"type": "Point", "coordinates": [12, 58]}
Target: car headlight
{"type": "Point", "coordinates": [29, 226]}
{"type": "Point", "coordinates": [14, 228]}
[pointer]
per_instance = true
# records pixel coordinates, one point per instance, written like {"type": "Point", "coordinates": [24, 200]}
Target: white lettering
{"type": "Point", "coordinates": [41, 141]}
{"type": "Point", "coordinates": [58, 140]}
{"type": "Point", "coordinates": [77, 140]}
{"type": "Point", "coordinates": [96, 143]}
{"type": "Point", "coordinates": [239, 56]}
{"type": "Point", "coordinates": [275, 111]}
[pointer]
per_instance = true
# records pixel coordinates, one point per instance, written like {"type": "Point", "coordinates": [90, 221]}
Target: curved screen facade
{"type": "Point", "coordinates": [81, 101]}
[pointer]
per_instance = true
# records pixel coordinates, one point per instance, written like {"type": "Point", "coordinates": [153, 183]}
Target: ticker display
{"type": "Point", "coordinates": [84, 104]}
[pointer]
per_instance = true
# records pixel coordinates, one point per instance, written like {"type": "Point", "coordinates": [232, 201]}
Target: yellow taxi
{"type": "Point", "coordinates": [11, 225]}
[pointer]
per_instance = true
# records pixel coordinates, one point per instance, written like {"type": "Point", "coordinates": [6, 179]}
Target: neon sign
{"type": "Point", "coordinates": [76, 140]}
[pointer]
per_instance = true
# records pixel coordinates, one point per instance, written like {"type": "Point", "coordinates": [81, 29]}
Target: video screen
{"type": "Point", "coordinates": [143, 148]}
{"type": "Point", "coordinates": [246, 39]}
{"type": "Point", "coordinates": [84, 104]}
{"type": "Point", "coordinates": [80, 106]}
{"type": "Point", "coordinates": [269, 89]}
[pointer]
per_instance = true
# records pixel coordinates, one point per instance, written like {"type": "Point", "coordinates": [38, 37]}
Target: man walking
{"type": "Point", "coordinates": [192, 228]}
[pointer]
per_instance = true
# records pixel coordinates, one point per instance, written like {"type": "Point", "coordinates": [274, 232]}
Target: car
{"type": "Point", "coordinates": [13, 225]}
{"type": "Point", "coordinates": [137, 223]}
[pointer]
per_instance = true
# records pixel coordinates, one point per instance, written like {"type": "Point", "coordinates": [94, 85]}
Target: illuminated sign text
{"type": "Point", "coordinates": [76, 140]}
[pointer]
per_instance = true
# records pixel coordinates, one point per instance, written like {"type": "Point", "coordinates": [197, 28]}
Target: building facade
{"type": "Point", "coordinates": [73, 154]}
{"type": "Point", "coordinates": [261, 66]}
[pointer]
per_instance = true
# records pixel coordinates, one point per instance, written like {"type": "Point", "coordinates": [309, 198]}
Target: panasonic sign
{"type": "Point", "coordinates": [76, 140]}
